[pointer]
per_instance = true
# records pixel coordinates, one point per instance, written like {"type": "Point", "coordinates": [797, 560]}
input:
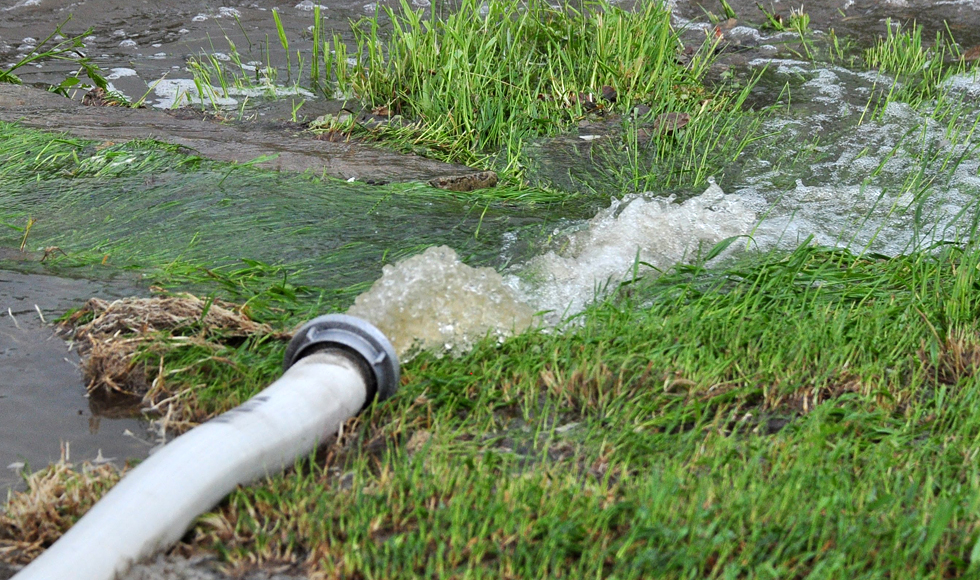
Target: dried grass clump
{"type": "Point", "coordinates": [55, 498]}
{"type": "Point", "coordinates": [958, 357]}
{"type": "Point", "coordinates": [110, 334]}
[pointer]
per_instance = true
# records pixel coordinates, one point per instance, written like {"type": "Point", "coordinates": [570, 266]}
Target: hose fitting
{"type": "Point", "coordinates": [353, 335]}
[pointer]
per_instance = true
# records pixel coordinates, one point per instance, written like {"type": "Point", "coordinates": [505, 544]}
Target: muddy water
{"type": "Point", "coordinates": [44, 410]}
{"type": "Point", "coordinates": [858, 19]}
{"type": "Point", "coordinates": [139, 43]}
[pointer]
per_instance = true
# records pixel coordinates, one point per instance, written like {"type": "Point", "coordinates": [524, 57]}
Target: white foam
{"type": "Point", "coordinates": [309, 6]}
{"type": "Point", "coordinates": [965, 83]}
{"type": "Point", "coordinates": [120, 72]}
{"type": "Point", "coordinates": [650, 232]}
{"type": "Point", "coordinates": [23, 4]}
{"type": "Point", "coordinates": [433, 301]}
{"type": "Point", "coordinates": [178, 92]}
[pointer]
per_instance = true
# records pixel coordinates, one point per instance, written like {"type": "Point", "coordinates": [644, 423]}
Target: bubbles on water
{"type": "Point", "coordinates": [177, 92]}
{"type": "Point", "coordinates": [309, 6]}
{"type": "Point", "coordinates": [965, 83]}
{"type": "Point", "coordinates": [23, 4]}
{"type": "Point", "coordinates": [433, 301]}
{"type": "Point", "coordinates": [646, 232]}
{"type": "Point", "coordinates": [223, 12]}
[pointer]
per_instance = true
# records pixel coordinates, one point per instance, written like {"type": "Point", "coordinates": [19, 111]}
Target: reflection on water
{"type": "Point", "coordinates": [43, 407]}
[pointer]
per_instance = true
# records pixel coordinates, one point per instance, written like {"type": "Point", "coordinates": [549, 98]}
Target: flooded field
{"type": "Point", "coordinates": [886, 180]}
{"type": "Point", "coordinates": [44, 409]}
{"type": "Point", "coordinates": [219, 187]}
{"type": "Point", "coordinates": [145, 47]}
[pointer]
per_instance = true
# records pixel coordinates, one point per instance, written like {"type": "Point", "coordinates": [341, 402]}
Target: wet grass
{"type": "Point", "coordinates": [178, 220]}
{"type": "Point", "coordinates": [809, 413]}
{"type": "Point", "coordinates": [57, 47]}
{"type": "Point", "coordinates": [918, 68]}
{"type": "Point", "coordinates": [478, 86]}
{"type": "Point", "coordinates": [488, 79]}
{"type": "Point", "coordinates": [806, 414]}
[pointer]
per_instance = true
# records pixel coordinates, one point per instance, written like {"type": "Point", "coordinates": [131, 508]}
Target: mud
{"type": "Point", "coordinates": [239, 143]}
{"type": "Point", "coordinates": [43, 403]}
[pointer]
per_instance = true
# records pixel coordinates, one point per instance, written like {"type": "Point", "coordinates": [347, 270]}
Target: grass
{"type": "Point", "coordinates": [918, 69]}
{"type": "Point", "coordinates": [492, 77]}
{"type": "Point", "coordinates": [799, 414]}
{"type": "Point", "coordinates": [182, 221]}
{"type": "Point", "coordinates": [806, 413]}
{"type": "Point", "coordinates": [477, 86]}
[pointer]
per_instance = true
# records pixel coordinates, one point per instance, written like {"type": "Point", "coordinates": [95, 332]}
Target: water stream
{"type": "Point", "coordinates": [445, 270]}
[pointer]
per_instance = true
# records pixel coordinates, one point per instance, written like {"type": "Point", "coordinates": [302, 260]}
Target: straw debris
{"type": "Point", "coordinates": [111, 335]}
{"type": "Point", "coordinates": [55, 498]}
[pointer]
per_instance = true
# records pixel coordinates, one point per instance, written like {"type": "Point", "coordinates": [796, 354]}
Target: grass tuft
{"type": "Point", "coordinates": [493, 76]}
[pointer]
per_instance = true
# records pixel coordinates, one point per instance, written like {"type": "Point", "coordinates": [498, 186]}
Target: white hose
{"type": "Point", "coordinates": [155, 504]}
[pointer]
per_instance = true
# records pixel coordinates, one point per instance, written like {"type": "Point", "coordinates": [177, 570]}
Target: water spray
{"type": "Point", "coordinates": [334, 366]}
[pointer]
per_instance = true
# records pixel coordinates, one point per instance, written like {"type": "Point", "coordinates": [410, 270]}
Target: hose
{"type": "Point", "coordinates": [335, 365]}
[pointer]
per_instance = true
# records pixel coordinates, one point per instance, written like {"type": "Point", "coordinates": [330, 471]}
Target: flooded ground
{"type": "Point", "coordinates": [44, 409]}
{"type": "Point", "coordinates": [884, 181]}
{"type": "Point", "coordinates": [145, 46]}
{"type": "Point", "coordinates": [827, 167]}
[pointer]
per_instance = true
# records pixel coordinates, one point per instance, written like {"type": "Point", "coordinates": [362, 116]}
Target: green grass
{"type": "Point", "coordinates": [805, 414]}
{"type": "Point", "coordinates": [492, 77]}
{"type": "Point", "coordinates": [480, 85]}
{"type": "Point", "coordinates": [798, 414]}
{"type": "Point", "coordinates": [56, 47]}
{"type": "Point", "coordinates": [670, 470]}
{"type": "Point", "coordinates": [181, 221]}
{"type": "Point", "coordinates": [918, 69]}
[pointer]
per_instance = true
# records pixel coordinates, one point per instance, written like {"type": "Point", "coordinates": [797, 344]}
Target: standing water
{"type": "Point", "coordinates": [825, 166]}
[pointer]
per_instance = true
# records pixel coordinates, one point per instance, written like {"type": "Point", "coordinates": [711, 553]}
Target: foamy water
{"type": "Point", "coordinates": [890, 183]}
{"type": "Point", "coordinates": [640, 233]}
{"type": "Point", "coordinates": [433, 301]}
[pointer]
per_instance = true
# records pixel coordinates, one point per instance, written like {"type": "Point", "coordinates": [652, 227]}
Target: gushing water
{"type": "Point", "coordinates": [433, 301]}
{"type": "Point", "coordinates": [635, 232]}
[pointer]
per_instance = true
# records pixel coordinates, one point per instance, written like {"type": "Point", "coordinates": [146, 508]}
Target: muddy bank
{"type": "Point", "coordinates": [43, 404]}
{"type": "Point", "coordinates": [238, 143]}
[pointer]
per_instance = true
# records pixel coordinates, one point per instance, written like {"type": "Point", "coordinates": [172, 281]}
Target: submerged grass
{"type": "Point", "coordinates": [803, 414]}
{"type": "Point", "coordinates": [184, 221]}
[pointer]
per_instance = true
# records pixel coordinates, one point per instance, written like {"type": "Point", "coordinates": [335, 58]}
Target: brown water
{"type": "Point", "coordinates": [858, 19]}
{"type": "Point", "coordinates": [44, 410]}
{"type": "Point", "coordinates": [140, 42]}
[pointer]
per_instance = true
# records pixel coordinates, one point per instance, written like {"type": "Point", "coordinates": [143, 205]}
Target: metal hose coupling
{"type": "Point", "coordinates": [355, 336]}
